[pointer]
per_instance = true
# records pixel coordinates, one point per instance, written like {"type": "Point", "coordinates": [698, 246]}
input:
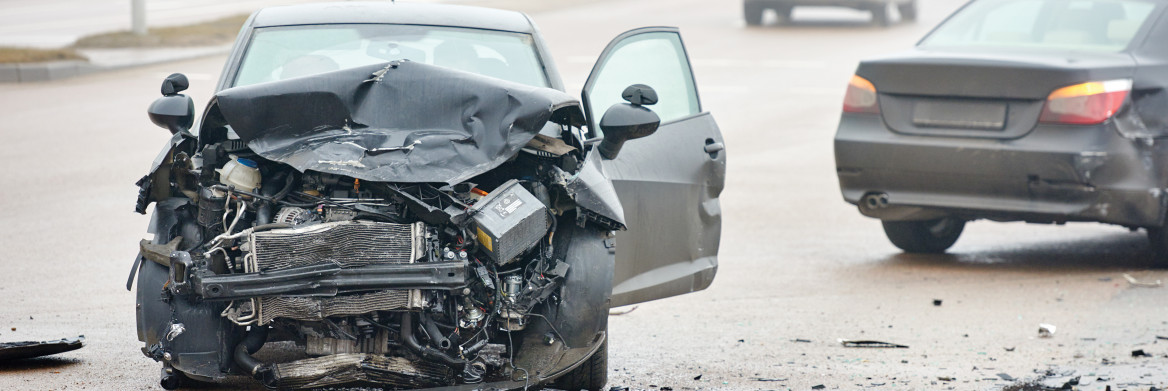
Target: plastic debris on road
{"type": "Point", "coordinates": [851, 343]}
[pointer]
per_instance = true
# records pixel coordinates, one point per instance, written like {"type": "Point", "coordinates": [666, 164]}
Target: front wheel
{"type": "Point", "coordinates": [753, 13]}
{"type": "Point", "coordinates": [1158, 244]}
{"type": "Point", "coordinates": [592, 375]}
{"type": "Point", "coordinates": [930, 236]}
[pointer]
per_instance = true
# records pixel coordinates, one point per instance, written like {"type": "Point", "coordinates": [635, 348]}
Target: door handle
{"type": "Point", "coordinates": [713, 148]}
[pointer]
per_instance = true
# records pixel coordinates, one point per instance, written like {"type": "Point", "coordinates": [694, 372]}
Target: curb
{"type": "Point", "coordinates": [43, 71]}
{"type": "Point", "coordinates": [59, 70]}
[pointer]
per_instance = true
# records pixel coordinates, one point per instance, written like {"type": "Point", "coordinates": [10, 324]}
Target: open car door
{"type": "Point", "coordinates": [669, 182]}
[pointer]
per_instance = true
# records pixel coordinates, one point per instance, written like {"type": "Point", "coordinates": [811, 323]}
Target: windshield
{"type": "Point", "coordinates": [1082, 25]}
{"type": "Point", "coordinates": [278, 53]}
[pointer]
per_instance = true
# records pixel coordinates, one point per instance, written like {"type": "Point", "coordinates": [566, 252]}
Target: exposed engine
{"type": "Point", "coordinates": [401, 285]}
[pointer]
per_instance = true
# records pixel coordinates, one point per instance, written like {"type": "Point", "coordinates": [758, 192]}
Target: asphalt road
{"type": "Point", "coordinates": [797, 263]}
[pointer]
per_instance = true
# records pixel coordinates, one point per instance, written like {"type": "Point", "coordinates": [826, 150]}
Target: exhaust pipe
{"type": "Point", "coordinates": [872, 201]}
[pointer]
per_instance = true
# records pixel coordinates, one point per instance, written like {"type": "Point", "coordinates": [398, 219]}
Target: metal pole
{"type": "Point", "coordinates": [138, 17]}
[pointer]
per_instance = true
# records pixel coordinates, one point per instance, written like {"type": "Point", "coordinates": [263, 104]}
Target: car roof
{"type": "Point", "coordinates": [393, 13]}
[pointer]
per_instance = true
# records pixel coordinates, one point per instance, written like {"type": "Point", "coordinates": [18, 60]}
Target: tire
{"type": "Point", "coordinates": [1158, 246]}
{"type": "Point", "coordinates": [928, 237]}
{"type": "Point", "coordinates": [783, 13]}
{"type": "Point", "coordinates": [880, 15]}
{"type": "Point", "coordinates": [592, 375]}
{"type": "Point", "coordinates": [753, 13]}
{"type": "Point", "coordinates": [908, 11]}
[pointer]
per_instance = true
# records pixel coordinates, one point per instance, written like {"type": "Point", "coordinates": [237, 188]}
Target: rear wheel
{"type": "Point", "coordinates": [930, 236]}
{"type": "Point", "coordinates": [908, 11]}
{"type": "Point", "coordinates": [753, 13]}
{"type": "Point", "coordinates": [1158, 246]}
{"type": "Point", "coordinates": [783, 13]}
{"type": "Point", "coordinates": [880, 15]}
{"type": "Point", "coordinates": [592, 375]}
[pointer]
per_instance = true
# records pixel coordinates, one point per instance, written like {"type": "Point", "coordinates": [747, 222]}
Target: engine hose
{"type": "Point", "coordinates": [436, 335]}
{"type": "Point", "coordinates": [264, 212]}
{"type": "Point", "coordinates": [411, 342]}
{"type": "Point", "coordinates": [384, 218]}
{"type": "Point", "coordinates": [251, 343]}
{"type": "Point", "coordinates": [476, 347]}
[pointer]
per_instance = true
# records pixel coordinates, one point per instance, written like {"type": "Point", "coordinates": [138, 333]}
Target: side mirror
{"type": "Point", "coordinates": [173, 111]}
{"type": "Point", "coordinates": [628, 121]}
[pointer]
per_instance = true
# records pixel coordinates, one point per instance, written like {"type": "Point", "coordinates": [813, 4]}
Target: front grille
{"type": "Point", "coordinates": [341, 369]}
{"type": "Point", "coordinates": [345, 244]}
{"type": "Point", "coordinates": [314, 308]}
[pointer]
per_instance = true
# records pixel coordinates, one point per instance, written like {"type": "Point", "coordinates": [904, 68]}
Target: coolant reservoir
{"type": "Point", "coordinates": [241, 173]}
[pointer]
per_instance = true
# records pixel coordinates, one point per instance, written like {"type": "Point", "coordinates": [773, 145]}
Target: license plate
{"type": "Point", "coordinates": [960, 114]}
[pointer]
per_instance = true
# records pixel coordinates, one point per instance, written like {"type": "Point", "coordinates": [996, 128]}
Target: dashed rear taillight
{"type": "Point", "coordinates": [861, 97]}
{"type": "Point", "coordinates": [1088, 103]}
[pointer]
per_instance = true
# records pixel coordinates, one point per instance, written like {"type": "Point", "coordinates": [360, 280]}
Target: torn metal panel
{"type": "Point", "coordinates": [395, 122]}
{"type": "Point", "coordinates": [593, 191]}
{"type": "Point", "coordinates": [32, 349]}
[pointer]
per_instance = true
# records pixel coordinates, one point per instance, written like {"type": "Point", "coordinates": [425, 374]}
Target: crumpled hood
{"type": "Point", "coordinates": [395, 122]}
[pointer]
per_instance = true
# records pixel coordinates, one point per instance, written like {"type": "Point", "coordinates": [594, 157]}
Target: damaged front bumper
{"type": "Point", "coordinates": [1053, 174]}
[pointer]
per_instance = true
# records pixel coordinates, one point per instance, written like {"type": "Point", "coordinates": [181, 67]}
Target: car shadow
{"type": "Point", "coordinates": [1118, 251]}
{"type": "Point", "coordinates": [37, 364]}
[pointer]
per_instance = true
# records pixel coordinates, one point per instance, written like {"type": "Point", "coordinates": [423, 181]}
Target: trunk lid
{"type": "Point", "coordinates": [977, 93]}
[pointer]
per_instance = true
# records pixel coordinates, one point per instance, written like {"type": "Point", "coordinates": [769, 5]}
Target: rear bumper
{"type": "Point", "coordinates": [1052, 174]}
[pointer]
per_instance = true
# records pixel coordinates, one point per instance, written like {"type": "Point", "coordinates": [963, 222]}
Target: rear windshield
{"type": "Point", "coordinates": [1080, 25]}
{"type": "Point", "coordinates": [278, 53]}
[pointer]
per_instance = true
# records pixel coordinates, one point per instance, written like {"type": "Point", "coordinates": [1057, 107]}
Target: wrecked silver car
{"type": "Point", "coordinates": [402, 196]}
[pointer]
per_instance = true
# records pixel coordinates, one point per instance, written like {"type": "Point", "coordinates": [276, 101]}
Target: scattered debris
{"type": "Point", "coordinates": [698, 377]}
{"type": "Point", "coordinates": [936, 302]}
{"type": "Point", "coordinates": [622, 312]}
{"type": "Point", "coordinates": [1134, 282]}
{"type": "Point", "coordinates": [1006, 376]}
{"type": "Point", "coordinates": [619, 389]}
{"type": "Point", "coordinates": [1046, 330]}
{"type": "Point", "coordinates": [946, 378]}
{"type": "Point", "coordinates": [848, 343]}
{"type": "Point", "coordinates": [818, 387]}
{"type": "Point", "coordinates": [763, 379]}
{"type": "Point", "coordinates": [1140, 353]}
{"type": "Point", "coordinates": [31, 349]}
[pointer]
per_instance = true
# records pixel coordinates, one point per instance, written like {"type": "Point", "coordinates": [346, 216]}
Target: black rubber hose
{"type": "Point", "coordinates": [436, 335]}
{"type": "Point", "coordinates": [251, 343]}
{"type": "Point", "coordinates": [411, 342]}
{"type": "Point", "coordinates": [288, 181]}
{"type": "Point", "coordinates": [379, 217]}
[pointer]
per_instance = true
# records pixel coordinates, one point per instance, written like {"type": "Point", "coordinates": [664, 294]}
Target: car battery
{"type": "Point", "coordinates": [509, 221]}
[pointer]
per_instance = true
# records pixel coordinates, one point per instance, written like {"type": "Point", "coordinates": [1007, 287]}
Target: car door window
{"type": "Point", "coordinates": [656, 59]}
